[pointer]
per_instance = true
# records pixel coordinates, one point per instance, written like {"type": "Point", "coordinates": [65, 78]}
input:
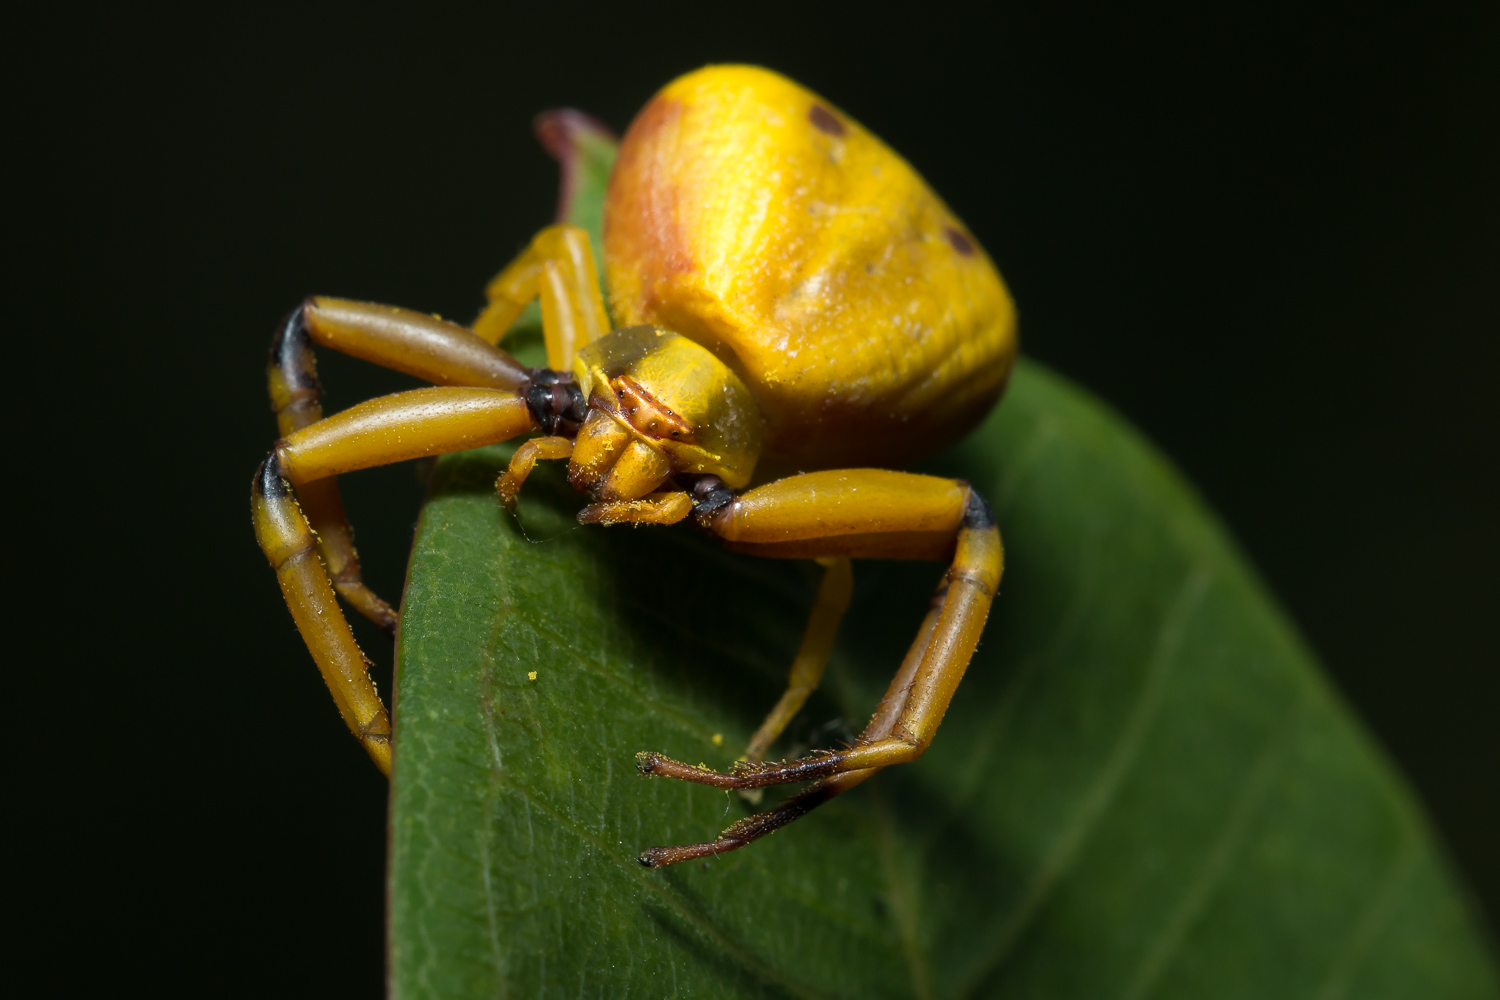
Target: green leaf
{"type": "Point", "coordinates": [1144, 786]}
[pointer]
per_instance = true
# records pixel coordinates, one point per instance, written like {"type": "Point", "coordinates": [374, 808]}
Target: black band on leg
{"type": "Point", "coordinates": [291, 352]}
{"type": "Point", "coordinates": [977, 513]}
{"type": "Point", "coordinates": [269, 482]}
{"type": "Point", "coordinates": [292, 374]}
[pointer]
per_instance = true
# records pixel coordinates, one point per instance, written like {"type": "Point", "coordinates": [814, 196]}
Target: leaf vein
{"type": "Point", "coordinates": [1093, 805]}
{"type": "Point", "coordinates": [1370, 920]}
{"type": "Point", "coordinates": [1160, 953]}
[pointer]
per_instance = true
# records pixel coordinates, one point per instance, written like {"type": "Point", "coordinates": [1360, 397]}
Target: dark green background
{"type": "Point", "coordinates": [1269, 239]}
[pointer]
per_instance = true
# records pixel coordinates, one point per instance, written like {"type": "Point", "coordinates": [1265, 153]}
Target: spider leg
{"type": "Point", "coordinates": [757, 825]}
{"type": "Point", "coordinates": [871, 514]}
{"type": "Point", "coordinates": [289, 543]}
{"type": "Point", "coordinates": [407, 341]}
{"type": "Point", "coordinates": [393, 428]}
{"type": "Point", "coordinates": [812, 655]}
{"type": "Point", "coordinates": [558, 266]}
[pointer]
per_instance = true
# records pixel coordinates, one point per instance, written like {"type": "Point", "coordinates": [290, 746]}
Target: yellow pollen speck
{"type": "Point", "coordinates": [718, 739]}
{"type": "Point", "coordinates": [531, 675]}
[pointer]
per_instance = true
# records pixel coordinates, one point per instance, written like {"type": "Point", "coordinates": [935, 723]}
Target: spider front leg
{"type": "Point", "coordinates": [407, 341]}
{"type": "Point", "coordinates": [298, 515]}
{"type": "Point", "coordinates": [394, 428]}
{"type": "Point", "coordinates": [862, 513]}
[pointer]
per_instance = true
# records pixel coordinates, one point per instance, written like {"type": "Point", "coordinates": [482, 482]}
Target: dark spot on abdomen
{"type": "Point", "coordinates": [960, 242]}
{"type": "Point", "coordinates": [824, 120]}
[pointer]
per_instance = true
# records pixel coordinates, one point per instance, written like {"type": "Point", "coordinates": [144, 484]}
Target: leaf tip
{"type": "Point", "coordinates": [568, 135]}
